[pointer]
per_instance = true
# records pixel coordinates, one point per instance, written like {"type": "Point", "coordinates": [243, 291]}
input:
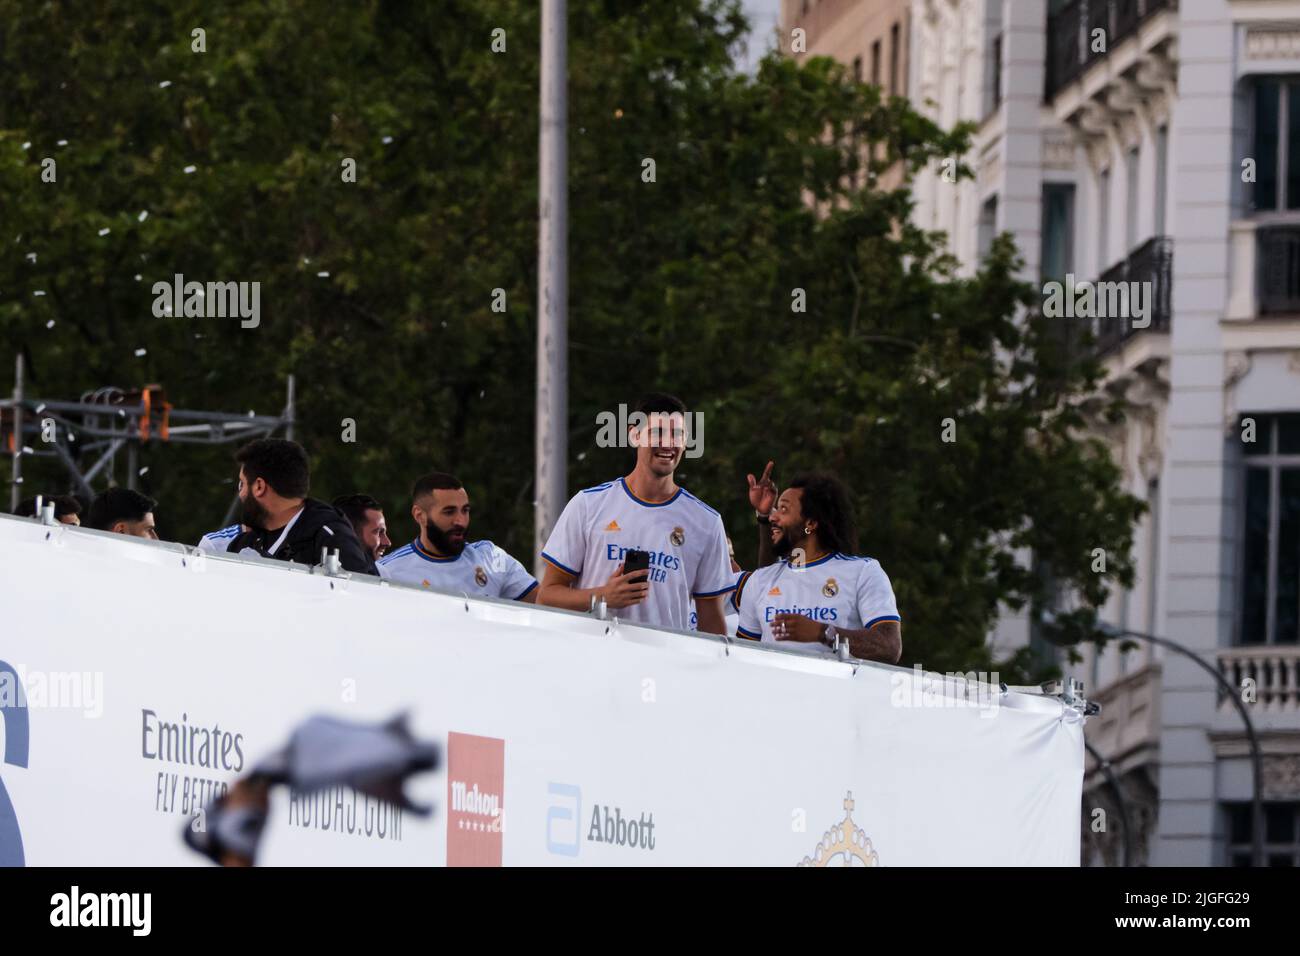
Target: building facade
{"type": "Point", "coordinates": [1158, 142]}
{"type": "Point", "coordinates": [869, 36]}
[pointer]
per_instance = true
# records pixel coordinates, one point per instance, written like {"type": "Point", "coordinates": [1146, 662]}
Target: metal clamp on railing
{"type": "Point", "coordinates": [598, 608]}
{"type": "Point", "coordinates": [1068, 690]}
{"type": "Point", "coordinates": [46, 510]}
{"type": "Point", "coordinates": [330, 563]}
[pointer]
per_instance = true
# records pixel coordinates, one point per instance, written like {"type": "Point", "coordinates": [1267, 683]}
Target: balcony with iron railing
{"type": "Point", "coordinates": [1265, 269]}
{"type": "Point", "coordinates": [1152, 265]}
{"type": "Point", "coordinates": [1071, 32]}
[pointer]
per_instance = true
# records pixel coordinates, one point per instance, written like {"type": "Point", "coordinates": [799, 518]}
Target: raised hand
{"type": "Point", "coordinates": [762, 493]}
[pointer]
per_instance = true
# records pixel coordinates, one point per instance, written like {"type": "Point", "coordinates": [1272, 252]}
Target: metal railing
{"type": "Point", "coordinates": [1278, 269]}
{"type": "Point", "coordinates": [1152, 262]}
{"type": "Point", "coordinates": [1070, 34]}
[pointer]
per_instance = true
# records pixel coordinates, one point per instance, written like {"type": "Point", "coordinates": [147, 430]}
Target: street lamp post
{"type": "Point", "coordinates": [551, 444]}
{"type": "Point", "coordinates": [1257, 766]}
{"type": "Point", "coordinates": [1120, 801]}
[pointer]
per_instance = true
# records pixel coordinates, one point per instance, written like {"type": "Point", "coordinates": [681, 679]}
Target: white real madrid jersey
{"type": "Point", "coordinates": [837, 589]}
{"type": "Point", "coordinates": [730, 616]}
{"type": "Point", "coordinates": [216, 542]}
{"type": "Point", "coordinates": [684, 536]}
{"type": "Point", "coordinates": [481, 569]}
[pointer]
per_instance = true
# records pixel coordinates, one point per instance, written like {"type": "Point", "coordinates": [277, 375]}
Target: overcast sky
{"type": "Point", "coordinates": [763, 16]}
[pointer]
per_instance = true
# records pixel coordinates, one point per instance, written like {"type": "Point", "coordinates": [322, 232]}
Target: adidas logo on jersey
{"type": "Point", "coordinates": [775, 592]}
{"type": "Point", "coordinates": [613, 526]}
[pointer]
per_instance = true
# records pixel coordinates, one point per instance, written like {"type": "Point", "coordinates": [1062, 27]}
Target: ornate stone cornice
{"type": "Point", "coordinates": [1273, 43]}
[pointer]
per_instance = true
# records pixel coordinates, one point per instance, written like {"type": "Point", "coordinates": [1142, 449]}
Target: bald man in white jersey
{"type": "Point", "coordinates": [443, 558]}
{"type": "Point", "coordinates": [645, 511]}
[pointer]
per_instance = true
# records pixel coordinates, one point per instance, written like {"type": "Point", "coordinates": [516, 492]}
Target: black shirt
{"type": "Point", "coordinates": [318, 526]}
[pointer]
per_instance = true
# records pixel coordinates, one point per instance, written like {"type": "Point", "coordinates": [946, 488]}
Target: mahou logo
{"type": "Point", "coordinates": [476, 813]}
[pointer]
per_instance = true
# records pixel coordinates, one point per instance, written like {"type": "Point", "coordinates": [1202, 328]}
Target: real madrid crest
{"type": "Point", "coordinates": [830, 588]}
{"type": "Point", "coordinates": [845, 844]}
{"type": "Point", "coordinates": [480, 576]}
{"type": "Point", "coordinates": [678, 537]}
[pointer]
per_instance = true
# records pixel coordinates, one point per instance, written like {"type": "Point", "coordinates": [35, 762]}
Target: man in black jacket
{"type": "Point", "coordinates": [283, 522]}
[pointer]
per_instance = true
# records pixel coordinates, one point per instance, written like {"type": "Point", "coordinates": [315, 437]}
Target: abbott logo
{"type": "Point", "coordinates": [629, 831]}
{"type": "Point", "coordinates": [103, 909]}
{"type": "Point", "coordinates": [562, 816]}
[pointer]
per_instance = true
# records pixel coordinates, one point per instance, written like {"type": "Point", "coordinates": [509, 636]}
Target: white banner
{"type": "Point", "coordinates": [154, 676]}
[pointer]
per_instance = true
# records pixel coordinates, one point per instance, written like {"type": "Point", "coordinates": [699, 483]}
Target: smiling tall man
{"type": "Point", "coordinates": [645, 511]}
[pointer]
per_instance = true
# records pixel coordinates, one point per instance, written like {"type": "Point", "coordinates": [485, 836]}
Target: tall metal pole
{"type": "Point", "coordinates": [15, 489]}
{"type": "Point", "coordinates": [551, 449]}
{"type": "Point", "coordinates": [290, 411]}
{"type": "Point", "coordinates": [1256, 761]}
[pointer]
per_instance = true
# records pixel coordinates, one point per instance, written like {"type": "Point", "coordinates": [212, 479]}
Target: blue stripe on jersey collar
{"type": "Point", "coordinates": [419, 549]}
{"type": "Point", "coordinates": [648, 504]}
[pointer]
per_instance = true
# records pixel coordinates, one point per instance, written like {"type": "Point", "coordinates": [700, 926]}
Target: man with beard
{"type": "Point", "coordinates": [282, 522]}
{"type": "Point", "coordinates": [644, 511]}
{"type": "Point", "coordinates": [441, 557]}
{"type": "Point", "coordinates": [367, 517]}
{"type": "Point", "coordinates": [817, 594]}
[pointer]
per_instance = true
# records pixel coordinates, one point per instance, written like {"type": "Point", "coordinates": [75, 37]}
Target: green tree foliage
{"type": "Point", "coordinates": [764, 184]}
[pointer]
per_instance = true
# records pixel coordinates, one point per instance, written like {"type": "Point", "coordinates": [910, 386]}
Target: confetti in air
{"type": "Point", "coordinates": [140, 352]}
{"type": "Point", "coordinates": [143, 216]}
{"type": "Point", "coordinates": [104, 232]}
{"type": "Point", "coordinates": [189, 169]}
{"type": "Point", "coordinates": [164, 84]}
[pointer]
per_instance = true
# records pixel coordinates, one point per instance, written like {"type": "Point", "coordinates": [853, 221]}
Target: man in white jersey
{"type": "Point", "coordinates": [731, 614]}
{"type": "Point", "coordinates": [216, 542]}
{"type": "Point", "coordinates": [644, 511]}
{"type": "Point", "coordinates": [442, 558]}
{"type": "Point", "coordinates": [819, 594]}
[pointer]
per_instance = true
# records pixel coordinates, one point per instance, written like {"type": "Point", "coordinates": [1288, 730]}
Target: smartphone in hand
{"type": "Point", "coordinates": [635, 560]}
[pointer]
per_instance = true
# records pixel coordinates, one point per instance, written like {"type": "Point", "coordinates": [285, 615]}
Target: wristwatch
{"type": "Point", "coordinates": [763, 518]}
{"type": "Point", "coordinates": [830, 636]}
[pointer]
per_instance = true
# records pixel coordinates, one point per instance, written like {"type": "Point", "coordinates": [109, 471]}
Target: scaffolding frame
{"type": "Point", "coordinates": [97, 431]}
